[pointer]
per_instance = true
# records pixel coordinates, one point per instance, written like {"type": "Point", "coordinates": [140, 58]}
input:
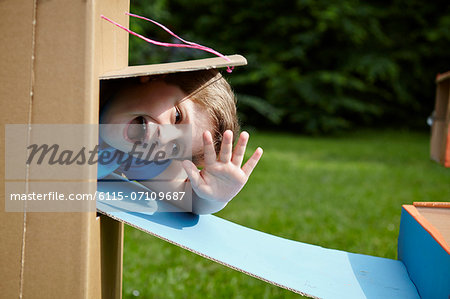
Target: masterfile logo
{"type": "Point", "coordinates": [47, 166]}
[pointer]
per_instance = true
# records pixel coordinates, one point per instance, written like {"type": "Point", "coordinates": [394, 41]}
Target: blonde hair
{"type": "Point", "coordinates": [212, 93]}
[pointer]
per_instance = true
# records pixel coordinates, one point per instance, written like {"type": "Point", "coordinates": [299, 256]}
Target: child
{"type": "Point", "coordinates": [156, 110]}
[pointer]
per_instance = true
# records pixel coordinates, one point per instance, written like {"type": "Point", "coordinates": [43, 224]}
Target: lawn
{"type": "Point", "coordinates": [340, 192]}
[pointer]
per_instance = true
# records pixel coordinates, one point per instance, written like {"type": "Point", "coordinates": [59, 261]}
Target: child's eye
{"type": "Point", "coordinates": [178, 115]}
{"type": "Point", "coordinates": [175, 149]}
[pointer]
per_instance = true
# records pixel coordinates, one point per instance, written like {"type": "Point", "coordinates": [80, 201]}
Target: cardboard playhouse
{"type": "Point", "coordinates": [54, 54]}
{"type": "Point", "coordinates": [440, 130]}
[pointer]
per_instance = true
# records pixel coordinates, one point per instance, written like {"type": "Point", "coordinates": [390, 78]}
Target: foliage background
{"type": "Point", "coordinates": [314, 66]}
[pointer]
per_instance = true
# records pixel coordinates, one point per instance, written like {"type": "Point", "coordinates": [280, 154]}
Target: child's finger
{"type": "Point", "coordinates": [208, 148]}
{"type": "Point", "coordinates": [251, 163]}
{"type": "Point", "coordinates": [226, 147]}
{"type": "Point", "coordinates": [192, 173]}
{"type": "Point", "coordinates": [239, 150]}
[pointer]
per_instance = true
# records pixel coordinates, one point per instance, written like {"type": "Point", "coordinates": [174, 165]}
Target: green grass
{"type": "Point", "coordinates": [338, 192]}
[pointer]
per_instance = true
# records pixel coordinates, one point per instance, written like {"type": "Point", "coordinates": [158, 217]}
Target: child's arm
{"type": "Point", "coordinates": [219, 180]}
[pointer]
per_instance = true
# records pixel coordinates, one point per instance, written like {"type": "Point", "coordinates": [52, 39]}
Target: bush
{"type": "Point", "coordinates": [314, 66]}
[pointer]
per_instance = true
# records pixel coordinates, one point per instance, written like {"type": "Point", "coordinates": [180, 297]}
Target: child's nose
{"type": "Point", "coordinates": [168, 133]}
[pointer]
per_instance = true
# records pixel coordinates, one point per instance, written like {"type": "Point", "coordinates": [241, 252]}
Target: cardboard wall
{"type": "Point", "coordinates": [15, 69]}
{"type": "Point", "coordinates": [440, 131]}
{"type": "Point", "coordinates": [52, 55]}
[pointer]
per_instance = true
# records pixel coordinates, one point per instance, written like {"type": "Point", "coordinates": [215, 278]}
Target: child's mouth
{"type": "Point", "coordinates": [137, 130]}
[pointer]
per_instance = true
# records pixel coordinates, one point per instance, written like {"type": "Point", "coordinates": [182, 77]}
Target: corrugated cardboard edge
{"type": "Point", "coordinates": [437, 236]}
{"type": "Point", "coordinates": [209, 257]}
{"type": "Point", "coordinates": [110, 53]}
{"type": "Point", "coordinates": [111, 235]}
{"type": "Point", "coordinates": [166, 68]}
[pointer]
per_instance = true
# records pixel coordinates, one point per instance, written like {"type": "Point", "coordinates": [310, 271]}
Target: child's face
{"type": "Point", "coordinates": [148, 113]}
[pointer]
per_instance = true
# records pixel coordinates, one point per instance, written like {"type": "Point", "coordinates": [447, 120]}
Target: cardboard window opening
{"type": "Point", "coordinates": [114, 81]}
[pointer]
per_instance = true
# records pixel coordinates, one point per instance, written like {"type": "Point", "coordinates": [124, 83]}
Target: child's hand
{"type": "Point", "coordinates": [221, 179]}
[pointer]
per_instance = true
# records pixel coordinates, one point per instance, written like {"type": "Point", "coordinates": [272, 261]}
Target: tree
{"type": "Point", "coordinates": [314, 66]}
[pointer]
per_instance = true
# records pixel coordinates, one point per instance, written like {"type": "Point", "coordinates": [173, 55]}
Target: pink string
{"type": "Point", "coordinates": [186, 44]}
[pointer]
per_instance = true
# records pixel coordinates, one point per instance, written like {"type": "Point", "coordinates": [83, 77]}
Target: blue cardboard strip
{"type": "Point", "coordinates": [306, 269]}
{"type": "Point", "coordinates": [427, 262]}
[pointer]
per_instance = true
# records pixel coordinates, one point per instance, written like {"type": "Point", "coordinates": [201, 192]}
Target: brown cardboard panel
{"type": "Point", "coordinates": [60, 67]}
{"type": "Point", "coordinates": [439, 144]}
{"type": "Point", "coordinates": [11, 230]}
{"type": "Point", "coordinates": [66, 263]}
{"type": "Point", "coordinates": [110, 53]}
{"type": "Point", "coordinates": [183, 66]}
{"type": "Point", "coordinates": [70, 55]}
{"type": "Point", "coordinates": [442, 100]}
{"type": "Point", "coordinates": [112, 257]}
{"type": "Point", "coordinates": [442, 77]}
{"type": "Point", "coordinates": [93, 276]}
{"type": "Point", "coordinates": [56, 257]}
{"type": "Point", "coordinates": [110, 45]}
{"type": "Point", "coordinates": [439, 218]}
{"type": "Point", "coordinates": [438, 140]}
{"type": "Point", "coordinates": [15, 78]}
{"type": "Point", "coordinates": [61, 250]}
{"type": "Point", "coordinates": [15, 62]}
{"type": "Point", "coordinates": [111, 42]}
{"type": "Point", "coordinates": [61, 256]}
{"type": "Point", "coordinates": [59, 139]}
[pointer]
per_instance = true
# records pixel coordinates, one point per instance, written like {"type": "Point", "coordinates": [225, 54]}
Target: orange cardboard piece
{"type": "Point", "coordinates": [435, 219]}
{"type": "Point", "coordinates": [435, 204]}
